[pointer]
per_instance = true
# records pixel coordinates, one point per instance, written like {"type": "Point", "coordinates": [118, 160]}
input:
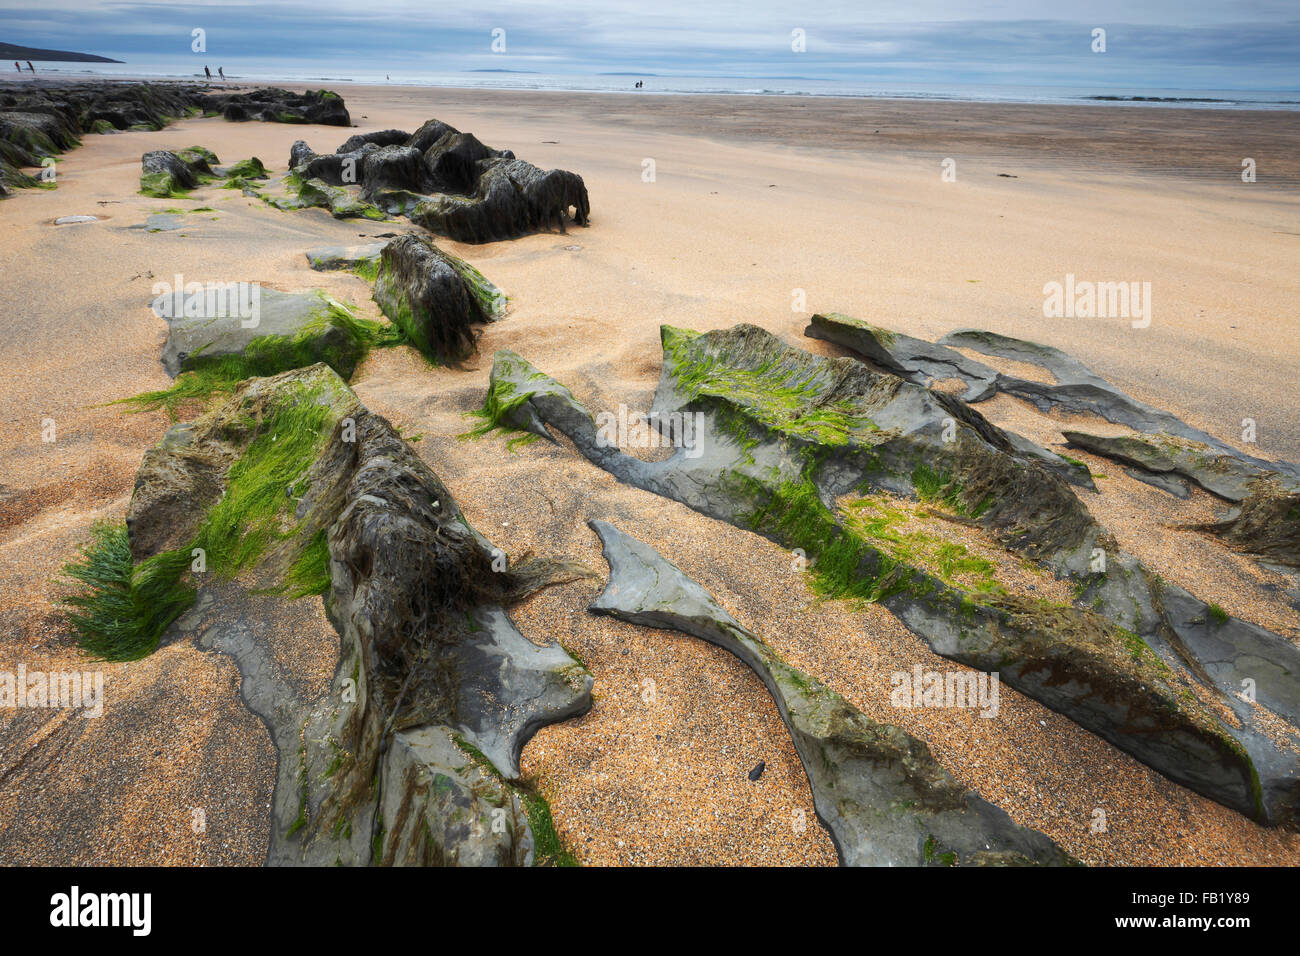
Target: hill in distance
{"type": "Point", "coordinates": [12, 51]}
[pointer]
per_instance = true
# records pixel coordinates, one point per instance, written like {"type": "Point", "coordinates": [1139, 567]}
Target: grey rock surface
{"type": "Point", "coordinates": [1113, 661]}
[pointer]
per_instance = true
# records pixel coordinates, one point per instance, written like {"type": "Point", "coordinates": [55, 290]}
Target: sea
{"type": "Point", "coordinates": [336, 73]}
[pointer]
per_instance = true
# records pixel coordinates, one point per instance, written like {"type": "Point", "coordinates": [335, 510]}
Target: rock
{"type": "Point", "coordinates": [169, 174]}
{"type": "Point", "coordinates": [340, 203]}
{"type": "Point", "coordinates": [161, 222]}
{"type": "Point", "coordinates": [299, 153]}
{"type": "Point", "coordinates": [73, 220]}
{"type": "Point", "coordinates": [250, 168]}
{"type": "Point", "coordinates": [444, 180]}
{"type": "Point", "coordinates": [428, 134]}
{"type": "Point", "coordinates": [384, 137]}
{"type": "Point", "coordinates": [1267, 523]}
{"type": "Point", "coordinates": [1230, 476]}
{"type": "Point", "coordinates": [434, 297]}
{"type": "Point", "coordinates": [413, 755]}
{"type": "Point", "coordinates": [910, 358]}
{"type": "Point", "coordinates": [321, 107]}
{"type": "Point", "coordinates": [1164, 481]}
{"type": "Point", "coordinates": [454, 161]}
{"type": "Point", "coordinates": [513, 198]}
{"type": "Point", "coordinates": [879, 792]}
{"type": "Point", "coordinates": [393, 167]}
{"type": "Point", "coordinates": [1078, 389]}
{"type": "Point", "coordinates": [271, 331]}
{"type": "Point", "coordinates": [363, 260]}
{"type": "Point", "coordinates": [42, 119]}
{"type": "Point", "coordinates": [758, 770]}
{"type": "Point", "coordinates": [784, 435]}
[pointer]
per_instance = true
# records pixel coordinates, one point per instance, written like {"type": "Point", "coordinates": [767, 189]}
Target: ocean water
{"type": "Point", "coordinates": [404, 74]}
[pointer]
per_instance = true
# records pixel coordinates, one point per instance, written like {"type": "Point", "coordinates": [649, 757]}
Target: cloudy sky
{"type": "Point", "coordinates": [1188, 44]}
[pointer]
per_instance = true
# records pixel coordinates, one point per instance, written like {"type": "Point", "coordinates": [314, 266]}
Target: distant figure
{"type": "Point", "coordinates": [221, 73]}
{"type": "Point", "coordinates": [207, 72]}
{"type": "Point", "coordinates": [30, 67]}
{"type": "Point", "coordinates": [17, 67]}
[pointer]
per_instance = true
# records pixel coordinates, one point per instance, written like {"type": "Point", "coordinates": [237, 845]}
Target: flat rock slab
{"type": "Point", "coordinates": [73, 220]}
{"type": "Point", "coordinates": [229, 328]}
{"type": "Point", "coordinates": [913, 359]}
{"type": "Point", "coordinates": [344, 258]}
{"type": "Point", "coordinates": [879, 791]}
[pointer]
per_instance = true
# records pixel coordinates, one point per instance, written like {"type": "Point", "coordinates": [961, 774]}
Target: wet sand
{"type": "Point", "coordinates": [753, 202]}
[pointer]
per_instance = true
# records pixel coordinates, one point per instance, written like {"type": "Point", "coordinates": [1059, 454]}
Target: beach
{"type": "Point", "coordinates": [706, 212]}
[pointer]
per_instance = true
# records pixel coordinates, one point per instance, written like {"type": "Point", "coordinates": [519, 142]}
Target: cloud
{"type": "Point", "coordinates": [1248, 44]}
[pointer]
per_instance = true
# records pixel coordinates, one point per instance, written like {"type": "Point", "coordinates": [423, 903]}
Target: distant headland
{"type": "Point", "coordinates": [12, 51]}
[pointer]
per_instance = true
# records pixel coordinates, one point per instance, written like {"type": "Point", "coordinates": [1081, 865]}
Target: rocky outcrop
{"type": "Point", "coordinates": [166, 174]}
{"type": "Point", "coordinates": [38, 121]}
{"type": "Point", "coordinates": [448, 182]}
{"type": "Point", "coordinates": [434, 297]}
{"type": "Point", "coordinates": [785, 443]}
{"type": "Point", "coordinates": [879, 792]}
{"type": "Point", "coordinates": [412, 757]}
{"type": "Point", "coordinates": [513, 198]}
{"type": "Point", "coordinates": [321, 107]}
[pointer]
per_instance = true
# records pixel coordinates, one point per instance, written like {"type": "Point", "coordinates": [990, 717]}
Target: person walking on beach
{"type": "Point", "coordinates": [17, 67]}
{"type": "Point", "coordinates": [207, 72]}
{"type": "Point", "coordinates": [29, 66]}
{"type": "Point", "coordinates": [221, 73]}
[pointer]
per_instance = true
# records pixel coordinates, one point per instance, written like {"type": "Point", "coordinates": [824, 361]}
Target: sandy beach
{"type": "Point", "coordinates": [760, 210]}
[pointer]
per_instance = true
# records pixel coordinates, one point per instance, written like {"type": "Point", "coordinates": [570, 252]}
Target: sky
{"type": "Point", "coordinates": [1180, 44]}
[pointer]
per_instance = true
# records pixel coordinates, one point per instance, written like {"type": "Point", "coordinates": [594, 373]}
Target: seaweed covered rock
{"type": "Point", "coordinates": [383, 137]}
{"type": "Point", "coordinates": [879, 792]}
{"type": "Point", "coordinates": [512, 198]}
{"type": "Point", "coordinates": [299, 153]}
{"type": "Point", "coordinates": [393, 168]}
{"type": "Point", "coordinates": [28, 137]}
{"type": "Point", "coordinates": [38, 120]}
{"type": "Point", "coordinates": [817, 453]}
{"type": "Point", "coordinates": [266, 331]}
{"type": "Point", "coordinates": [340, 203]}
{"type": "Point", "coordinates": [173, 174]}
{"type": "Point", "coordinates": [449, 182]}
{"type": "Point", "coordinates": [413, 756]}
{"type": "Point", "coordinates": [363, 260]}
{"type": "Point", "coordinates": [455, 161]}
{"type": "Point", "coordinates": [273, 105]}
{"type": "Point", "coordinates": [1266, 523]}
{"type": "Point", "coordinates": [243, 171]}
{"type": "Point", "coordinates": [434, 297]}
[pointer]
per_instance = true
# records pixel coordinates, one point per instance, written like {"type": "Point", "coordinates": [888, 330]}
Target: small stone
{"type": "Point", "coordinates": [758, 770]}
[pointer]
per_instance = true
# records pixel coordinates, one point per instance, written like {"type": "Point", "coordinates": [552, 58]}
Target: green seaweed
{"type": "Point", "coordinates": [122, 610]}
{"type": "Point", "coordinates": [272, 354]}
